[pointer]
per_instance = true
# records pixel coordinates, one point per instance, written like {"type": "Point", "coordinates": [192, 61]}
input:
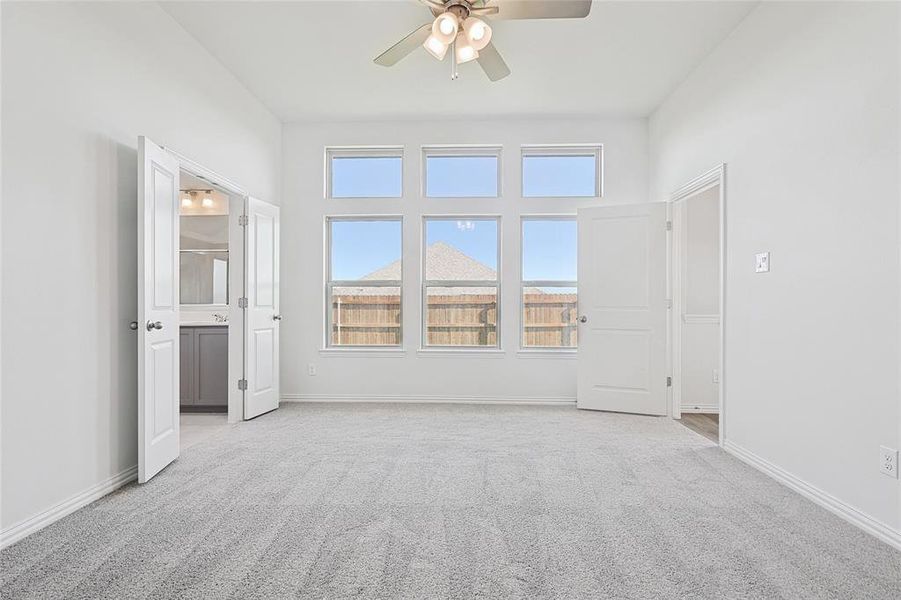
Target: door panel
{"type": "Point", "coordinates": [622, 295]}
{"type": "Point", "coordinates": [158, 354]}
{"type": "Point", "coordinates": [263, 319]}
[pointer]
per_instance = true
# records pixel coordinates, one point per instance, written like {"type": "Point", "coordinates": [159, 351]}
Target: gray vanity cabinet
{"type": "Point", "coordinates": [204, 368]}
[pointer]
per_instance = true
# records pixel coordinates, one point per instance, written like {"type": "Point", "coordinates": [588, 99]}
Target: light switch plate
{"type": "Point", "coordinates": [888, 461]}
{"type": "Point", "coordinates": [763, 262]}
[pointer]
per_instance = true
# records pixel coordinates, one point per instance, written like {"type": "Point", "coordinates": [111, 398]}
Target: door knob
{"type": "Point", "coordinates": [151, 325]}
{"type": "Point", "coordinates": [583, 319]}
{"type": "Point", "coordinates": [276, 317]}
{"type": "Point", "coordinates": [133, 325]}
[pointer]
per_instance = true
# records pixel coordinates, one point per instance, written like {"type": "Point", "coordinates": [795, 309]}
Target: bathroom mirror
{"type": "Point", "coordinates": [204, 260]}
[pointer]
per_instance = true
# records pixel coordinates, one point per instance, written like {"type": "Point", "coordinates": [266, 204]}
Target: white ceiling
{"type": "Point", "coordinates": [312, 59]}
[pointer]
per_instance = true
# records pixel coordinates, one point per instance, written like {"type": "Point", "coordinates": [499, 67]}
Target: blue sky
{"type": "Point", "coordinates": [552, 176]}
{"type": "Point", "coordinates": [473, 237]}
{"type": "Point", "coordinates": [369, 177]}
{"type": "Point", "coordinates": [461, 176]}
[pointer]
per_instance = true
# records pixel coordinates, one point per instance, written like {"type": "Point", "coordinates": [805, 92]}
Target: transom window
{"type": "Point", "coordinates": [460, 288]}
{"type": "Point", "coordinates": [562, 171]}
{"type": "Point", "coordinates": [549, 282]}
{"type": "Point", "coordinates": [364, 172]}
{"type": "Point", "coordinates": [458, 172]}
{"type": "Point", "coordinates": [364, 281]}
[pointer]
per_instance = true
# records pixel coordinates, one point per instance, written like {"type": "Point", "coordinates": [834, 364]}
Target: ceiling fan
{"type": "Point", "coordinates": [458, 30]}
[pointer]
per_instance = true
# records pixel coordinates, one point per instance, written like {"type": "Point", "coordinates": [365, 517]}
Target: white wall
{"type": "Point", "coordinates": [802, 103]}
{"type": "Point", "coordinates": [80, 83]}
{"type": "Point", "coordinates": [700, 303]}
{"type": "Point", "coordinates": [417, 375]}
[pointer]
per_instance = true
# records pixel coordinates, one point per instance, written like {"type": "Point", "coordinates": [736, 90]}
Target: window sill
{"type": "Point", "coordinates": [561, 354]}
{"type": "Point", "coordinates": [461, 352]}
{"type": "Point", "coordinates": [367, 352]}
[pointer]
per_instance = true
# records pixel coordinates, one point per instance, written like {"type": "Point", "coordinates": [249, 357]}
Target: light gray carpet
{"type": "Point", "coordinates": [452, 501]}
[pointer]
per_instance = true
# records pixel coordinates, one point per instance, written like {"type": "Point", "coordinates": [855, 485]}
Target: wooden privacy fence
{"type": "Point", "coordinates": [549, 320]}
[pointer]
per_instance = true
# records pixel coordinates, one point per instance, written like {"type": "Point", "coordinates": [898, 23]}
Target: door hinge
{"type": "Point", "coordinates": [669, 225]}
{"type": "Point", "coordinates": [669, 302]}
{"type": "Point", "coordinates": [242, 384]}
{"type": "Point", "coordinates": [242, 302]}
{"type": "Point", "coordinates": [669, 382]}
{"type": "Point", "coordinates": [242, 220]}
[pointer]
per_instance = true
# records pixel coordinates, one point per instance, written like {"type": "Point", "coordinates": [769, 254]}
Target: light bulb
{"type": "Point", "coordinates": [207, 201]}
{"type": "Point", "coordinates": [435, 47]}
{"type": "Point", "coordinates": [477, 32]}
{"type": "Point", "coordinates": [186, 202]}
{"type": "Point", "coordinates": [445, 27]}
{"type": "Point", "coordinates": [465, 51]}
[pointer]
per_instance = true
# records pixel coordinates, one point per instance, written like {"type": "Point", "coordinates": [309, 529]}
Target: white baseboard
{"type": "Point", "coordinates": [20, 530]}
{"type": "Point", "coordinates": [850, 514]}
{"type": "Point", "coordinates": [414, 399]}
{"type": "Point", "coordinates": [701, 408]}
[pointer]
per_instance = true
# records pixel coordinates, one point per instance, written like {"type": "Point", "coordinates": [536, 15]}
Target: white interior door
{"type": "Point", "coordinates": [263, 319]}
{"type": "Point", "coordinates": [158, 272]}
{"type": "Point", "coordinates": [622, 296]}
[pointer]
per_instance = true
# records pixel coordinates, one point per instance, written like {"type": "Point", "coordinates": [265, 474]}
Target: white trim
{"type": "Point", "coordinates": [427, 399]}
{"type": "Point", "coordinates": [198, 170]}
{"type": "Point", "coordinates": [367, 351]}
{"type": "Point", "coordinates": [701, 319]}
{"type": "Point", "coordinates": [53, 514]}
{"type": "Point", "coordinates": [461, 352]}
{"type": "Point", "coordinates": [845, 511]}
{"type": "Point", "coordinates": [558, 353]}
{"type": "Point", "coordinates": [707, 409]}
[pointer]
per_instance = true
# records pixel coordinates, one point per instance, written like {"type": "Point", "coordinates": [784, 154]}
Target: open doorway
{"type": "Point", "coordinates": [211, 343]}
{"type": "Point", "coordinates": [697, 302]}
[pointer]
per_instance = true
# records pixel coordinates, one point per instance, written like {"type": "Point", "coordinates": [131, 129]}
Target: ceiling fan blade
{"type": "Point", "coordinates": [485, 10]}
{"type": "Point", "coordinates": [542, 9]}
{"type": "Point", "coordinates": [404, 47]}
{"type": "Point", "coordinates": [435, 6]}
{"type": "Point", "coordinates": [491, 62]}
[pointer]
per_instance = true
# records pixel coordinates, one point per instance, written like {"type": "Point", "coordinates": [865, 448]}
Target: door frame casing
{"type": "Point", "coordinates": [236, 255]}
{"type": "Point", "coordinates": [702, 183]}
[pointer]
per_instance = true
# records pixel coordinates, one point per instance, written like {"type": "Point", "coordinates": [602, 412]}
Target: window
{"type": "Point", "coordinates": [549, 293]}
{"type": "Point", "coordinates": [460, 283]}
{"type": "Point", "coordinates": [364, 281]}
{"type": "Point", "coordinates": [364, 172]}
{"type": "Point", "coordinates": [451, 172]}
{"type": "Point", "coordinates": [562, 171]}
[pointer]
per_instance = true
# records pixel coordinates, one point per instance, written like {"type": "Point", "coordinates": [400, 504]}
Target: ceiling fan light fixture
{"type": "Point", "coordinates": [435, 47]}
{"type": "Point", "coordinates": [477, 32]}
{"type": "Point", "coordinates": [445, 27]}
{"type": "Point", "coordinates": [465, 51]}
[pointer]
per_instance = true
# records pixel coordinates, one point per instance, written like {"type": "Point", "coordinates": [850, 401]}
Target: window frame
{"type": "Point", "coordinates": [524, 283]}
{"type": "Point", "coordinates": [332, 283]}
{"type": "Point", "coordinates": [332, 152]}
{"type": "Point", "coordinates": [463, 151]}
{"type": "Point", "coordinates": [424, 346]}
{"type": "Point", "coordinates": [551, 150]}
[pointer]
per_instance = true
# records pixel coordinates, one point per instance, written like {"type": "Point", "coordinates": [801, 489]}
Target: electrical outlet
{"type": "Point", "coordinates": [716, 376]}
{"type": "Point", "coordinates": [888, 461]}
{"type": "Point", "coordinates": [311, 370]}
{"type": "Point", "coordinates": [762, 262]}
